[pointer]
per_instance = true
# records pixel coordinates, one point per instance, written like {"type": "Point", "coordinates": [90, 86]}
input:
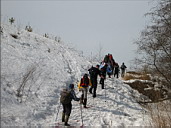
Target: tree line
{"type": "Point", "coordinates": [154, 44]}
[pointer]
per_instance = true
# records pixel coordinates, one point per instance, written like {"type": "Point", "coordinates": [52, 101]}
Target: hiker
{"type": "Point", "coordinates": [123, 67]}
{"type": "Point", "coordinates": [109, 70]}
{"type": "Point", "coordinates": [108, 59]}
{"type": "Point", "coordinates": [83, 86]}
{"type": "Point", "coordinates": [94, 72]}
{"type": "Point", "coordinates": [103, 67]}
{"type": "Point", "coordinates": [67, 95]}
{"type": "Point", "coordinates": [116, 72]}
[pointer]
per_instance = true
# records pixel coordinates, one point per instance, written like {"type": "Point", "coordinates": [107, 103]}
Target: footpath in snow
{"type": "Point", "coordinates": [34, 69]}
{"type": "Point", "coordinates": [113, 106]}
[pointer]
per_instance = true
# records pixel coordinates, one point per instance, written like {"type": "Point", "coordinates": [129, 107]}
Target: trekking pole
{"type": "Point", "coordinates": [81, 114]}
{"type": "Point", "coordinates": [113, 82]}
{"type": "Point", "coordinates": [57, 112]}
{"type": "Point", "coordinates": [105, 92]}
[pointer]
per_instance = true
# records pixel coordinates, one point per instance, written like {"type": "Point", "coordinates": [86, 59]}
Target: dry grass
{"type": "Point", "coordinates": [135, 75]}
{"type": "Point", "coordinates": [144, 87]}
{"type": "Point", "coordinates": [160, 114]}
{"type": "Point", "coordinates": [159, 107]}
{"type": "Point", "coordinates": [159, 110]}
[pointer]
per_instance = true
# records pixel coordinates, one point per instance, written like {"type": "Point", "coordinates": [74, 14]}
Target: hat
{"type": "Point", "coordinates": [71, 86]}
{"type": "Point", "coordinates": [85, 75]}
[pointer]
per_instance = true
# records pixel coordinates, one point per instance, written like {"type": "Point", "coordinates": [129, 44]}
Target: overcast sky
{"type": "Point", "coordinates": [87, 25]}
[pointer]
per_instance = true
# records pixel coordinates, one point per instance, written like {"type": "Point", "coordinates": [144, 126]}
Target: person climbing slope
{"type": "Point", "coordinates": [83, 86]}
{"type": "Point", "coordinates": [116, 72]}
{"type": "Point", "coordinates": [67, 95]}
{"type": "Point", "coordinates": [123, 67]}
{"type": "Point", "coordinates": [103, 67]}
{"type": "Point", "coordinates": [94, 72]}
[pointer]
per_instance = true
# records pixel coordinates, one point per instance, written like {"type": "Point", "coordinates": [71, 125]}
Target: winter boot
{"type": "Point", "coordinates": [100, 81]}
{"type": "Point", "coordinates": [63, 117]}
{"type": "Point", "coordinates": [94, 95]}
{"type": "Point", "coordinates": [66, 120]}
{"type": "Point", "coordinates": [85, 103]}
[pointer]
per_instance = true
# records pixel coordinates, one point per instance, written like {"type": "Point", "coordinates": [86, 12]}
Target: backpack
{"type": "Point", "coordinates": [65, 96]}
{"type": "Point", "coordinates": [84, 82]}
{"type": "Point", "coordinates": [106, 58]}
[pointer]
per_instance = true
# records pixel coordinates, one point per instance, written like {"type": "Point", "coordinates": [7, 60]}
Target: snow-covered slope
{"type": "Point", "coordinates": [40, 66]}
{"type": "Point", "coordinates": [33, 71]}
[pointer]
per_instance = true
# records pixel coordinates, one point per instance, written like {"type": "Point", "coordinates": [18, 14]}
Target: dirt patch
{"type": "Point", "coordinates": [147, 89]}
{"type": "Point", "coordinates": [145, 85]}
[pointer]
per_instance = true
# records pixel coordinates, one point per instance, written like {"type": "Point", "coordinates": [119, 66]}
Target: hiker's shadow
{"type": "Point", "coordinates": [112, 101]}
{"type": "Point", "coordinates": [115, 112]}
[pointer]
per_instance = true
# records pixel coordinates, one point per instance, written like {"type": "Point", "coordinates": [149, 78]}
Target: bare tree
{"type": "Point", "coordinates": [26, 77]}
{"type": "Point", "coordinates": [155, 42]}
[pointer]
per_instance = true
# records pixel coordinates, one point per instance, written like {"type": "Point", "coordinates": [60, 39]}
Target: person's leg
{"type": "Point", "coordinates": [82, 96]}
{"type": "Point", "coordinates": [102, 83]}
{"type": "Point", "coordinates": [95, 88]}
{"type": "Point", "coordinates": [68, 112]}
{"type": "Point", "coordinates": [122, 73]}
{"type": "Point", "coordinates": [63, 113]}
{"type": "Point", "coordinates": [85, 97]}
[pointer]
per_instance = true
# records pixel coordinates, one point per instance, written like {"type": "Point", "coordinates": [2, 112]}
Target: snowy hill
{"type": "Point", "coordinates": [33, 71]}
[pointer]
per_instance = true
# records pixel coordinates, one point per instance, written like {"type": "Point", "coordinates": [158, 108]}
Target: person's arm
{"type": "Point", "coordinates": [74, 97]}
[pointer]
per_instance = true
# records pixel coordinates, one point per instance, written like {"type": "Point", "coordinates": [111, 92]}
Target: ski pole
{"type": "Point", "coordinates": [57, 112]}
{"type": "Point", "coordinates": [81, 114]}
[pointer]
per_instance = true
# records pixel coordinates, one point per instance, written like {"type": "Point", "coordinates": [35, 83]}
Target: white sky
{"type": "Point", "coordinates": [114, 25]}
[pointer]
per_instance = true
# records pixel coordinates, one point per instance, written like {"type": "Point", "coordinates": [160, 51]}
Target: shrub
{"type": "Point", "coordinates": [46, 35]}
{"type": "Point", "coordinates": [160, 114]}
{"type": "Point", "coordinates": [136, 75]}
{"type": "Point", "coordinates": [11, 20]}
{"type": "Point", "coordinates": [29, 28]}
{"type": "Point", "coordinates": [1, 29]}
{"type": "Point", "coordinates": [14, 36]}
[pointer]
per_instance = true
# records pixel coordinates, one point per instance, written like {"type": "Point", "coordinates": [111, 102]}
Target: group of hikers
{"type": "Point", "coordinates": [107, 67]}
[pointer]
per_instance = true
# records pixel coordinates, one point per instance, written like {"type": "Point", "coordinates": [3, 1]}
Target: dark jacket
{"type": "Point", "coordinates": [123, 67]}
{"type": "Point", "coordinates": [69, 94]}
{"type": "Point", "coordinates": [94, 72]}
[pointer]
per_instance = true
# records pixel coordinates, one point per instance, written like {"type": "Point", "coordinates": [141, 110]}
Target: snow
{"type": "Point", "coordinates": [40, 67]}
